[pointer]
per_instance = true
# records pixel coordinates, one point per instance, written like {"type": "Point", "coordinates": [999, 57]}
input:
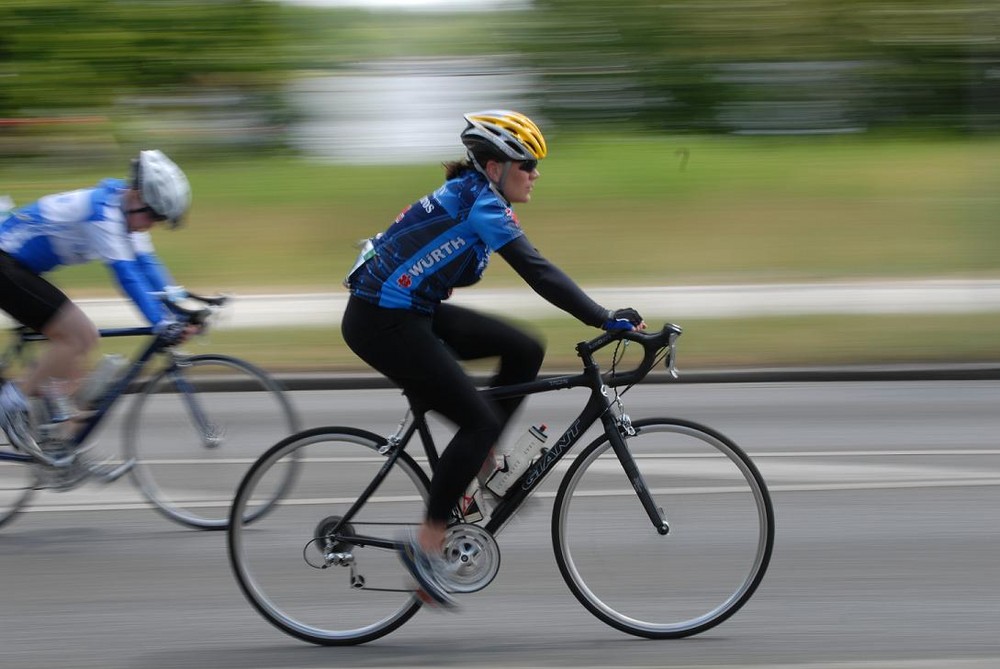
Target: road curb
{"type": "Point", "coordinates": [847, 373]}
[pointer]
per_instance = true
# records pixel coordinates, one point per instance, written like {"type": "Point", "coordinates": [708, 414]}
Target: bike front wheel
{"type": "Point", "coordinates": [697, 575]}
{"type": "Point", "coordinates": [293, 566]}
{"type": "Point", "coordinates": [196, 427]}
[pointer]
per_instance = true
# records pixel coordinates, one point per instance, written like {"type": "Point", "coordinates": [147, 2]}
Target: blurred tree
{"type": "Point", "coordinates": [670, 54]}
{"type": "Point", "coordinates": [73, 54]}
{"type": "Point", "coordinates": [936, 63]}
{"type": "Point", "coordinates": [688, 64]}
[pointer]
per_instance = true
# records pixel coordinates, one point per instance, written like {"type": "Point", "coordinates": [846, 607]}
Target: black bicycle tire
{"type": "Point", "coordinates": [233, 544]}
{"type": "Point", "coordinates": [556, 530]}
{"type": "Point", "coordinates": [132, 427]}
{"type": "Point", "coordinates": [8, 516]}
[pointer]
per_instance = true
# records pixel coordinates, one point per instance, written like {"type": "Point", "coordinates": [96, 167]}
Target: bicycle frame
{"type": "Point", "coordinates": [156, 345]}
{"type": "Point", "coordinates": [112, 395]}
{"type": "Point", "coordinates": [598, 407]}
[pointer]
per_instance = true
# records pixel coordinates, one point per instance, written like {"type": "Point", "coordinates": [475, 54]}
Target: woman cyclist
{"type": "Point", "coordinates": [109, 222]}
{"type": "Point", "coordinates": [396, 319]}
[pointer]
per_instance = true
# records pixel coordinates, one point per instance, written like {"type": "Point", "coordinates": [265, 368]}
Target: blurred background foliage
{"type": "Point", "coordinates": [742, 141]}
{"type": "Point", "coordinates": [75, 74]}
{"type": "Point", "coordinates": [695, 64]}
{"type": "Point", "coordinates": [71, 54]}
{"type": "Point", "coordinates": [748, 66]}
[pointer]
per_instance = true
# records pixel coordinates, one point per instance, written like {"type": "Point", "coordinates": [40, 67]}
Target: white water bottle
{"type": "Point", "coordinates": [104, 375]}
{"type": "Point", "coordinates": [517, 459]}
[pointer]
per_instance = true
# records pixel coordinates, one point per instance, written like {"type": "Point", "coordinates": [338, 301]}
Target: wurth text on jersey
{"type": "Point", "coordinates": [438, 255]}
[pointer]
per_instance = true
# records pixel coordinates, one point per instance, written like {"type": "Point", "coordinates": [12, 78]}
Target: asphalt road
{"type": "Point", "coordinates": [885, 497]}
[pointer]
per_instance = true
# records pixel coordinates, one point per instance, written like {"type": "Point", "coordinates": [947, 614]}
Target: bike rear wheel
{"type": "Point", "coordinates": [283, 561]}
{"type": "Point", "coordinates": [196, 427]}
{"type": "Point", "coordinates": [689, 580]}
{"type": "Point", "coordinates": [17, 485]}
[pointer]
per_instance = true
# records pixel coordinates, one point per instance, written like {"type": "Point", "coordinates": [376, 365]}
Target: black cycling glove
{"type": "Point", "coordinates": [622, 319]}
{"type": "Point", "coordinates": [171, 332]}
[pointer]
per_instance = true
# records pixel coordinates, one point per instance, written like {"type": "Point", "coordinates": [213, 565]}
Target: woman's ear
{"type": "Point", "coordinates": [494, 170]}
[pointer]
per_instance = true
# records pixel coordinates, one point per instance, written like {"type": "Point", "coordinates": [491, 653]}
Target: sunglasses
{"type": "Point", "coordinates": [528, 165]}
{"type": "Point", "coordinates": [152, 213]}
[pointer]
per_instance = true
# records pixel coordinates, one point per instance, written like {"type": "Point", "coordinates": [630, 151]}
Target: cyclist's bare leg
{"type": "Point", "coordinates": [72, 336]}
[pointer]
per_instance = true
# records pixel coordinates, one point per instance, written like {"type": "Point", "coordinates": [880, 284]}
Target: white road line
{"type": "Point", "coordinates": [92, 505]}
{"type": "Point", "coordinates": [784, 472]}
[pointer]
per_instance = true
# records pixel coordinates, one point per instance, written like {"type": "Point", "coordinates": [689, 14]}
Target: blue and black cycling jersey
{"type": "Point", "coordinates": [444, 241]}
{"type": "Point", "coordinates": [440, 242]}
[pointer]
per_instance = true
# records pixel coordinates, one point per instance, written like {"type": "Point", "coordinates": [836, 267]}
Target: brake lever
{"type": "Point", "coordinates": [671, 360]}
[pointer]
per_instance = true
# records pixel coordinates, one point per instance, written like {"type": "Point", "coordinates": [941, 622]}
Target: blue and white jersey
{"type": "Point", "coordinates": [440, 242]}
{"type": "Point", "coordinates": [79, 226]}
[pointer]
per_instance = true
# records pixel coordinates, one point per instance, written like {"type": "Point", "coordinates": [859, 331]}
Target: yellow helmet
{"type": "Point", "coordinates": [511, 134]}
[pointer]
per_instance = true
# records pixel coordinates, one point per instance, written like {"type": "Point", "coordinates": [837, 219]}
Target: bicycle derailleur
{"type": "Point", "coordinates": [332, 552]}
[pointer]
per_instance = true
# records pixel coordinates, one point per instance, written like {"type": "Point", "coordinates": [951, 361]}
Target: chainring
{"type": "Point", "coordinates": [473, 558]}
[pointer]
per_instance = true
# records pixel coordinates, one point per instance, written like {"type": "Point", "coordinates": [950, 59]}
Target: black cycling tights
{"type": "Point", "coordinates": [420, 354]}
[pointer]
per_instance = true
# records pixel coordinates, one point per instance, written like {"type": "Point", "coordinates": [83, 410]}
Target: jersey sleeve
{"type": "Point", "coordinates": [110, 241]}
{"type": "Point", "coordinates": [551, 282]}
{"type": "Point", "coordinates": [135, 284]}
{"type": "Point", "coordinates": [149, 263]}
{"type": "Point", "coordinates": [494, 223]}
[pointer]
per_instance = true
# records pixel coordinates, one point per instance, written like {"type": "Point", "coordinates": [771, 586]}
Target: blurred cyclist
{"type": "Point", "coordinates": [108, 222]}
{"type": "Point", "coordinates": [397, 322]}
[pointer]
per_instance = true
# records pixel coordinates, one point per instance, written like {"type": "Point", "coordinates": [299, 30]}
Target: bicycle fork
{"type": "Point", "coordinates": [211, 434]}
{"type": "Point", "coordinates": [615, 429]}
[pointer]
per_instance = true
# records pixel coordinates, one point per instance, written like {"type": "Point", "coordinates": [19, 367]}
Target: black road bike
{"type": "Point", "coordinates": [662, 527]}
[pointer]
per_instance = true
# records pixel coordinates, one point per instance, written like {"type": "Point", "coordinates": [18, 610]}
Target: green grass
{"type": "Point", "coordinates": [624, 210]}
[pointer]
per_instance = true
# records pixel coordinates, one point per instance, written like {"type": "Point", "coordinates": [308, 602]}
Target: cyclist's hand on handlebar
{"type": "Point", "coordinates": [191, 330]}
{"type": "Point", "coordinates": [175, 333]}
{"type": "Point", "coordinates": [623, 319]}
